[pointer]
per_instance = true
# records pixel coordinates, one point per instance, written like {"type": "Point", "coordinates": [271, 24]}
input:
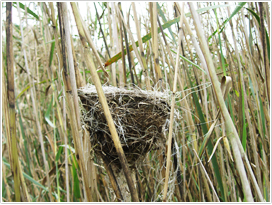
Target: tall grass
{"type": "Point", "coordinates": [213, 57]}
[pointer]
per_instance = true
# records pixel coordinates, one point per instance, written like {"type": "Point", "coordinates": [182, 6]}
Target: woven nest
{"type": "Point", "coordinates": [140, 118]}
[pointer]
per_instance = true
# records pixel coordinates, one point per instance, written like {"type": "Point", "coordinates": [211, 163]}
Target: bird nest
{"type": "Point", "coordinates": [140, 118]}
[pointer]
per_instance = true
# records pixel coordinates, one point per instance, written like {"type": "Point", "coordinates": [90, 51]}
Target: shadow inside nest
{"type": "Point", "coordinates": [140, 121]}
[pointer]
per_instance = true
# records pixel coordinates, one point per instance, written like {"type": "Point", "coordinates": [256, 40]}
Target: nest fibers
{"type": "Point", "coordinates": [140, 117]}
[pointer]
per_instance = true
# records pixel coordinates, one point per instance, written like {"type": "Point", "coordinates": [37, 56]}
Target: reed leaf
{"type": "Point", "coordinates": [24, 138]}
{"type": "Point", "coordinates": [165, 20]}
{"type": "Point", "coordinates": [30, 12]}
{"type": "Point", "coordinates": [266, 34]}
{"type": "Point", "coordinates": [192, 63]}
{"type": "Point", "coordinates": [47, 114]}
{"type": "Point", "coordinates": [236, 10]}
{"type": "Point", "coordinates": [28, 177]}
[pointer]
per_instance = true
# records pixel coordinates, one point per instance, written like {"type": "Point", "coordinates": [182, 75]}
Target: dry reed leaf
{"type": "Point", "coordinates": [226, 144]}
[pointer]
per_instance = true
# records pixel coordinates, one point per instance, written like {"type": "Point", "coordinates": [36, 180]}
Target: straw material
{"type": "Point", "coordinates": [141, 118]}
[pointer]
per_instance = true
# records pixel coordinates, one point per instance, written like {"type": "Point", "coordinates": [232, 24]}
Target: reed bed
{"type": "Point", "coordinates": [168, 104]}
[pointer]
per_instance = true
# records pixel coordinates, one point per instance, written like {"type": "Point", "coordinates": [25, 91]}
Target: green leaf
{"type": "Point", "coordinates": [236, 10]}
{"type": "Point", "coordinates": [244, 135]}
{"type": "Point", "coordinates": [59, 153]}
{"type": "Point", "coordinates": [237, 93]}
{"type": "Point", "coordinates": [22, 6]}
{"type": "Point", "coordinates": [187, 60]}
{"type": "Point", "coordinates": [209, 8]}
{"type": "Point", "coordinates": [165, 20]}
{"type": "Point", "coordinates": [24, 138]}
{"type": "Point", "coordinates": [262, 115]}
{"type": "Point", "coordinates": [52, 52]}
{"type": "Point", "coordinates": [27, 177]}
{"type": "Point", "coordinates": [100, 71]}
{"type": "Point", "coordinates": [29, 86]}
{"type": "Point", "coordinates": [267, 37]}
{"type": "Point", "coordinates": [47, 114]}
{"type": "Point", "coordinates": [76, 182]}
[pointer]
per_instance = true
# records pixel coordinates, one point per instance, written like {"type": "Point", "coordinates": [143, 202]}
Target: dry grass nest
{"type": "Point", "coordinates": [141, 119]}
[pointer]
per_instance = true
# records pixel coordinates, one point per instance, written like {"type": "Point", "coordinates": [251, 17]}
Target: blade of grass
{"type": "Point", "coordinates": [165, 20]}
{"type": "Point", "coordinates": [76, 187]}
{"type": "Point", "coordinates": [236, 10]}
{"type": "Point", "coordinates": [27, 177]}
{"type": "Point", "coordinates": [22, 6]}
{"type": "Point", "coordinates": [192, 63]}
{"type": "Point", "coordinates": [266, 52]}
{"type": "Point", "coordinates": [144, 70]}
{"type": "Point", "coordinates": [126, 42]}
{"type": "Point", "coordinates": [24, 138]}
{"type": "Point", "coordinates": [30, 86]}
{"type": "Point", "coordinates": [266, 34]}
{"type": "Point", "coordinates": [47, 114]}
{"type": "Point", "coordinates": [52, 52]}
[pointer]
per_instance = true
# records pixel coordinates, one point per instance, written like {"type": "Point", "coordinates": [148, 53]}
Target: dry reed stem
{"type": "Point", "coordinates": [265, 54]}
{"type": "Point", "coordinates": [131, 38]}
{"type": "Point", "coordinates": [107, 113]}
{"type": "Point", "coordinates": [35, 110]}
{"type": "Point", "coordinates": [155, 41]}
{"type": "Point", "coordinates": [10, 115]}
{"type": "Point", "coordinates": [123, 28]}
{"type": "Point", "coordinates": [231, 130]}
{"type": "Point", "coordinates": [245, 96]}
{"type": "Point", "coordinates": [89, 161]}
{"type": "Point", "coordinates": [78, 76]}
{"type": "Point", "coordinates": [243, 90]}
{"type": "Point", "coordinates": [121, 33]}
{"type": "Point", "coordinates": [253, 142]}
{"type": "Point", "coordinates": [172, 112]}
{"type": "Point", "coordinates": [62, 122]}
{"type": "Point", "coordinates": [5, 108]}
{"type": "Point", "coordinates": [181, 86]}
{"type": "Point", "coordinates": [90, 42]}
{"type": "Point", "coordinates": [72, 72]}
{"type": "Point", "coordinates": [72, 97]}
{"type": "Point", "coordinates": [206, 174]}
{"type": "Point", "coordinates": [117, 43]}
{"type": "Point", "coordinates": [148, 86]}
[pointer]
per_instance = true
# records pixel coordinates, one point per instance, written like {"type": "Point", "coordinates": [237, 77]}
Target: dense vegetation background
{"type": "Point", "coordinates": [220, 143]}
